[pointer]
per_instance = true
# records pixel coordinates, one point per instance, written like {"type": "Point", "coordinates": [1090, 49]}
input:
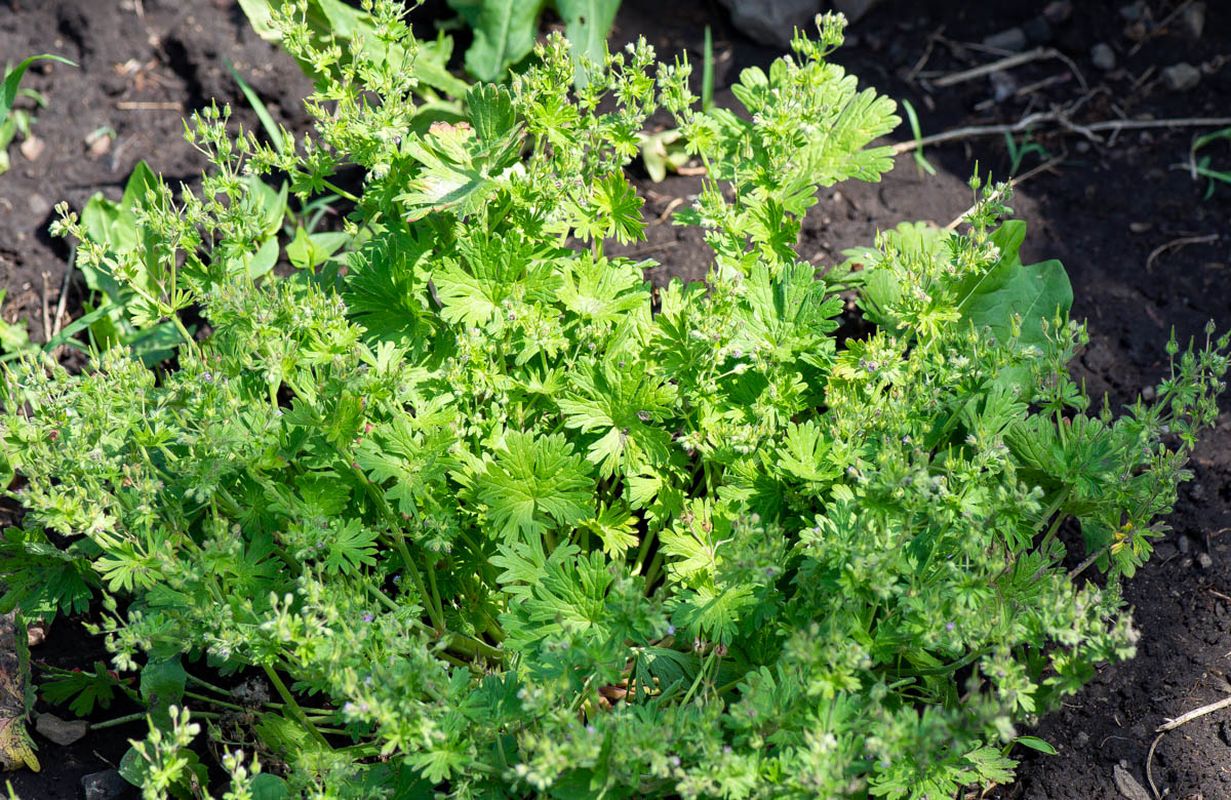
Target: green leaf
{"type": "Point", "coordinates": [81, 690]}
{"type": "Point", "coordinates": [162, 686]}
{"type": "Point", "coordinates": [1008, 292]}
{"type": "Point", "coordinates": [587, 24]}
{"type": "Point", "coordinates": [1035, 743]}
{"type": "Point", "coordinates": [310, 250]}
{"type": "Point", "coordinates": [490, 109]}
{"type": "Point", "coordinates": [504, 32]}
{"type": "Point", "coordinates": [459, 173]}
{"type": "Point", "coordinates": [12, 80]}
{"type": "Point", "coordinates": [351, 547]}
{"type": "Point", "coordinates": [259, 108]}
{"type": "Point", "coordinates": [269, 787]}
{"type": "Point", "coordinates": [535, 484]}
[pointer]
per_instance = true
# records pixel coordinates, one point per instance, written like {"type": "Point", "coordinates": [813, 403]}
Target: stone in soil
{"type": "Point", "coordinates": [854, 9]}
{"type": "Point", "coordinates": [1129, 787]}
{"type": "Point", "coordinates": [1037, 30]}
{"type": "Point", "coordinates": [1133, 11]}
{"type": "Point", "coordinates": [1058, 11]}
{"type": "Point", "coordinates": [1013, 39]}
{"type": "Point", "coordinates": [106, 785]}
{"type": "Point", "coordinates": [1193, 20]}
{"type": "Point", "coordinates": [1181, 77]}
{"type": "Point", "coordinates": [61, 731]}
{"type": "Point", "coordinates": [1103, 56]}
{"type": "Point", "coordinates": [772, 21]}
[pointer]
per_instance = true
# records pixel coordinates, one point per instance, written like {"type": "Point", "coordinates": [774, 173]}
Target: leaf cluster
{"type": "Point", "coordinates": [491, 517]}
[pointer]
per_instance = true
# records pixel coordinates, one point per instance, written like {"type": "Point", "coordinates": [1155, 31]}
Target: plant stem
{"type": "Point", "coordinates": [655, 566]}
{"type": "Point", "coordinates": [179, 326]}
{"type": "Point", "coordinates": [114, 723]}
{"type": "Point", "coordinates": [206, 685]}
{"type": "Point", "coordinates": [292, 706]}
{"type": "Point", "coordinates": [213, 701]}
{"type": "Point", "coordinates": [339, 191]}
{"type": "Point", "coordinates": [1090, 559]}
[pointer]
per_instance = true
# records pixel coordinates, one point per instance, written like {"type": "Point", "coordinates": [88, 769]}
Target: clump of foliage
{"type": "Point", "coordinates": [459, 504]}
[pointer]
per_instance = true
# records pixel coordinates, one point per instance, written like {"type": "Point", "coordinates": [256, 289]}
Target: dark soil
{"type": "Point", "coordinates": [1103, 209]}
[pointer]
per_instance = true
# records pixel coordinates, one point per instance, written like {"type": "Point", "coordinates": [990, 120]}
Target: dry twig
{"type": "Point", "coordinates": [46, 312]}
{"type": "Point", "coordinates": [1171, 725]}
{"type": "Point", "coordinates": [148, 105]}
{"type": "Point", "coordinates": [1061, 119]}
{"type": "Point", "coordinates": [1161, 27]}
{"type": "Point", "coordinates": [1183, 719]}
{"type": "Point", "coordinates": [1176, 244]}
{"type": "Point", "coordinates": [1009, 62]}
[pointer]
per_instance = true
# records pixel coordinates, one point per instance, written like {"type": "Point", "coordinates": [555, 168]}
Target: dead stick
{"type": "Point", "coordinates": [1160, 27]}
{"type": "Point", "coordinates": [63, 304]}
{"type": "Point", "coordinates": [46, 312]}
{"type": "Point", "coordinates": [1150, 765]}
{"type": "Point", "coordinates": [1171, 725]}
{"type": "Point", "coordinates": [1015, 60]}
{"type": "Point", "coordinates": [148, 105]}
{"type": "Point", "coordinates": [1024, 123]}
{"type": "Point", "coordinates": [1175, 244]}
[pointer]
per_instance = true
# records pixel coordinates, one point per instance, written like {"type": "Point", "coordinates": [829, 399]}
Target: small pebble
{"type": "Point", "coordinates": [98, 146]}
{"type": "Point", "coordinates": [39, 205]}
{"type": "Point", "coordinates": [1193, 20]}
{"type": "Point", "coordinates": [61, 731]}
{"type": "Point", "coordinates": [1181, 77]}
{"type": "Point", "coordinates": [1148, 394]}
{"type": "Point", "coordinates": [1037, 30]}
{"type": "Point", "coordinates": [32, 148]}
{"type": "Point", "coordinates": [1103, 56]}
{"type": "Point", "coordinates": [1133, 11]}
{"type": "Point", "coordinates": [1014, 40]}
{"type": "Point", "coordinates": [1058, 11]}
{"type": "Point", "coordinates": [1140, 227]}
{"type": "Point", "coordinates": [1204, 560]}
{"type": "Point", "coordinates": [106, 785]}
{"type": "Point", "coordinates": [1004, 86]}
{"type": "Point", "coordinates": [1130, 788]}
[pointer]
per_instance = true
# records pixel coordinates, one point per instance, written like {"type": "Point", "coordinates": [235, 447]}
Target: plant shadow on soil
{"type": "Point", "coordinates": [1102, 211]}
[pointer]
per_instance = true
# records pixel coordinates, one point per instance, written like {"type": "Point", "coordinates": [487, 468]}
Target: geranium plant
{"type": "Point", "coordinates": [457, 503]}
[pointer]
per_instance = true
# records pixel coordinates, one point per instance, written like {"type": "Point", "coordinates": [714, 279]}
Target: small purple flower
{"type": "Point", "coordinates": [671, 630]}
{"type": "Point", "coordinates": [949, 626]}
{"type": "Point", "coordinates": [590, 729]}
{"type": "Point", "coordinates": [368, 616]}
{"type": "Point", "coordinates": [675, 761]}
{"type": "Point", "coordinates": [397, 579]}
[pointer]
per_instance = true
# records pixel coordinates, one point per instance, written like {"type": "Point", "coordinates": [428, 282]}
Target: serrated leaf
{"type": "Point", "coordinates": [534, 484]}
{"type": "Point", "coordinates": [491, 112]}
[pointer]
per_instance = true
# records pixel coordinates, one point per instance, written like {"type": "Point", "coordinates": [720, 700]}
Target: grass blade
{"type": "Point", "coordinates": [12, 78]}
{"type": "Point", "coordinates": [262, 111]}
